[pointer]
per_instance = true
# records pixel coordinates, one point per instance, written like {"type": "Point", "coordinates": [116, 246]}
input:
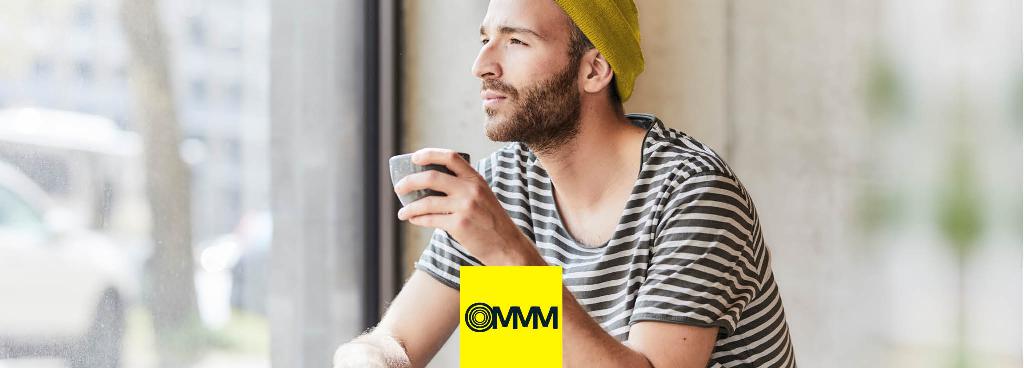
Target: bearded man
{"type": "Point", "coordinates": [664, 263]}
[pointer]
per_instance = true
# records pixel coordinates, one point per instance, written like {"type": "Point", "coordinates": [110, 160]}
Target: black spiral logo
{"type": "Point", "coordinates": [483, 311]}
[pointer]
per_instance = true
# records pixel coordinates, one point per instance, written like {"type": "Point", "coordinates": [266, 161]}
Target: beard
{"type": "Point", "coordinates": [546, 116]}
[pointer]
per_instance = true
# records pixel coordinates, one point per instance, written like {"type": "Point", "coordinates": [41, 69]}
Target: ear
{"type": "Point", "coordinates": [597, 72]}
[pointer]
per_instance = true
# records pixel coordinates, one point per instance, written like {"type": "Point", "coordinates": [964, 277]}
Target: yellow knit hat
{"type": "Point", "coordinates": [614, 29]}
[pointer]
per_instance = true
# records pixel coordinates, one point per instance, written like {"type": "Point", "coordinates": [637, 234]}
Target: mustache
{"type": "Point", "coordinates": [499, 86]}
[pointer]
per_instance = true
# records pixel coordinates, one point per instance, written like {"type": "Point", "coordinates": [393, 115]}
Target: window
{"type": "Point", "coordinates": [141, 258]}
{"type": "Point", "coordinates": [197, 32]}
{"type": "Point", "coordinates": [198, 89]}
{"type": "Point", "coordinates": [42, 68]}
{"type": "Point", "coordinates": [85, 16]}
{"type": "Point", "coordinates": [84, 71]}
{"type": "Point", "coordinates": [234, 95]}
{"type": "Point", "coordinates": [17, 215]}
{"type": "Point", "coordinates": [86, 150]}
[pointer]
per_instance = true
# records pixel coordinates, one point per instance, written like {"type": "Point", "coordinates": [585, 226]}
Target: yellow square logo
{"type": "Point", "coordinates": [511, 316]}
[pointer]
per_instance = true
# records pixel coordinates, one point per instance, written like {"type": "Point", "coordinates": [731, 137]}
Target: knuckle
{"type": "Point", "coordinates": [469, 205]}
{"type": "Point", "coordinates": [462, 221]}
{"type": "Point", "coordinates": [413, 180]}
{"type": "Point", "coordinates": [477, 191]}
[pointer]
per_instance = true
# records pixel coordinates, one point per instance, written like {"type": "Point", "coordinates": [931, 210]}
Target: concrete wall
{"type": "Point", "coordinates": [441, 97]}
{"type": "Point", "coordinates": [317, 266]}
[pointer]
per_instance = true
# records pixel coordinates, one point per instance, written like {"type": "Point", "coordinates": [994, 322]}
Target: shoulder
{"type": "Point", "coordinates": [669, 148]}
{"type": "Point", "coordinates": [688, 168]}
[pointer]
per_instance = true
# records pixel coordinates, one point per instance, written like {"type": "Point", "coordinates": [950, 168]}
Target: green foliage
{"type": "Point", "coordinates": [886, 95]}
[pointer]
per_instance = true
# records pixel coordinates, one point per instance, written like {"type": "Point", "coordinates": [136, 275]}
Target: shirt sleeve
{"type": "Point", "coordinates": [444, 256]}
{"type": "Point", "coordinates": [702, 269]}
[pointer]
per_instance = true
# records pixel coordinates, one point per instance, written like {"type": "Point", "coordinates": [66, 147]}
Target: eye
{"type": "Point", "coordinates": [517, 41]}
{"type": "Point", "coordinates": [484, 41]}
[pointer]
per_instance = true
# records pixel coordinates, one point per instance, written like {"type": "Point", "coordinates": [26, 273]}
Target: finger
{"type": "Point", "coordinates": [446, 157]}
{"type": "Point", "coordinates": [426, 206]}
{"type": "Point", "coordinates": [430, 179]}
{"type": "Point", "coordinates": [435, 221]}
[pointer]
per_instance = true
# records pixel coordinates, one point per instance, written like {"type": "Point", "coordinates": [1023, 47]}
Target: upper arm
{"type": "Point", "coordinates": [703, 269]}
{"type": "Point", "coordinates": [422, 317]}
{"type": "Point", "coordinates": [701, 275]}
{"type": "Point", "coordinates": [672, 344]}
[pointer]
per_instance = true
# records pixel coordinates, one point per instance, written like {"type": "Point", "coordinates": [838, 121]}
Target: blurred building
{"type": "Point", "coordinates": [71, 55]}
{"type": "Point", "coordinates": [65, 55]}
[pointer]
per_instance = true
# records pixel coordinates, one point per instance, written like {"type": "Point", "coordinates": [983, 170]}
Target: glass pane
{"type": "Point", "coordinates": [15, 214]}
{"type": "Point", "coordinates": [139, 162]}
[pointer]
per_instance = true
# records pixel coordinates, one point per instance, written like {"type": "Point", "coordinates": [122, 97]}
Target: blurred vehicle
{"type": "Point", "coordinates": [84, 163]}
{"type": "Point", "coordinates": [254, 232]}
{"type": "Point", "coordinates": [232, 272]}
{"type": "Point", "coordinates": [213, 279]}
{"type": "Point", "coordinates": [63, 287]}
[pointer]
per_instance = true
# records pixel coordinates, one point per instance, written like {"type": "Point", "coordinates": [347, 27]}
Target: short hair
{"type": "Point", "coordinates": [579, 44]}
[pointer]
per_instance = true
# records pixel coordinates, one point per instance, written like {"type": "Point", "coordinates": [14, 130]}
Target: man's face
{"type": "Point", "coordinates": [529, 82]}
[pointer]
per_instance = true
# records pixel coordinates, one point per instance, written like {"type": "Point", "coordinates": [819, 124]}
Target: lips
{"type": "Point", "coordinates": [489, 95]}
{"type": "Point", "coordinates": [491, 98]}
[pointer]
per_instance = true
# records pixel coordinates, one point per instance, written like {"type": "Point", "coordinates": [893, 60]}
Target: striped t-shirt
{"type": "Point", "coordinates": [687, 249]}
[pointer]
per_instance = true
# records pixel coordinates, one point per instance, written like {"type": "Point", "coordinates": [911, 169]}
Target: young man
{"type": "Point", "coordinates": [663, 259]}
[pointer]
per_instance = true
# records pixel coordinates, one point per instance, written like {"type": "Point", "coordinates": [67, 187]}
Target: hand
{"type": "Point", "coordinates": [470, 212]}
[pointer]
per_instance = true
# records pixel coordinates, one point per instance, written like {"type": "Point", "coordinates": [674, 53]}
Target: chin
{"type": "Point", "coordinates": [492, 128]}
{"type": "Point", "coordinates": [490, 123]}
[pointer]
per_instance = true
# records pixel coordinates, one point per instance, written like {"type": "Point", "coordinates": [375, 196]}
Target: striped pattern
{"type": "Point", "coordinates": [688, 248]}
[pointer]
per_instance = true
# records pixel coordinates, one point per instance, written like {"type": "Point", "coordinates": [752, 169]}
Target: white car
{"type": "Point", "coordinates": [63, 288]}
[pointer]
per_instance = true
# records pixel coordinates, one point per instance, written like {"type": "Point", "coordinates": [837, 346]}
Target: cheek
{"type": "Point", "coordinates": [528, 67]}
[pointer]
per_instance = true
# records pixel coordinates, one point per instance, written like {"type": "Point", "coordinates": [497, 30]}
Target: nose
{"type": "Point", "coordinates": [486, 65]}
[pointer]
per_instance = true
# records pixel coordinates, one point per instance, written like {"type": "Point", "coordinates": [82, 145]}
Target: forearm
{"type": "Point", "coordinates": [586, 344]}
{"type": "Point", "coordinates": [374, 350]}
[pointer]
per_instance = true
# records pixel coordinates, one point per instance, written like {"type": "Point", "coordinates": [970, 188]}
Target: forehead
{"type": "Point", "coordinates": [541, 16]}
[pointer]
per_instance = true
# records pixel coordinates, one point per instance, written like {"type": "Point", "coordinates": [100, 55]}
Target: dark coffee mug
{"type": "Point", "coordinates": [402, 166]}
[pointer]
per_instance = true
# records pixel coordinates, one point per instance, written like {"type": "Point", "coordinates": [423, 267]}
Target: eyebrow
{"type": "Point", "coordinates": [511, 29]}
